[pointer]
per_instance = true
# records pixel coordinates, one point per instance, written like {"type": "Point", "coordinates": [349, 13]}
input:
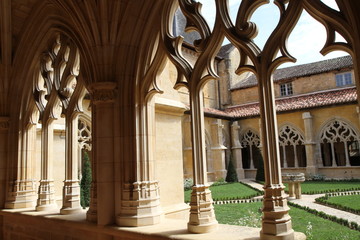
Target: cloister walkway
{"type": "Point", "coordinates": [309, 201]}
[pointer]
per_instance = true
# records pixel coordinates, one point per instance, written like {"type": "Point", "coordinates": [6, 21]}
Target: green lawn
{"type": "Point", "coordinates": [316, 228]}
{"type": "Point", "coordinates": [349, 201]}
{"type": "Point", "coordinates": [228, 191]}
{"type": "Point", "coordinates": [314, 187]}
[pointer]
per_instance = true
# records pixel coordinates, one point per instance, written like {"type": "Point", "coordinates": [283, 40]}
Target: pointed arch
{"type": "Point", "coordinates": [292, 148]}
{"type": "Point", "coordinates": [339, 143]}
{"type": "Point", "coordinates": [250, 142]}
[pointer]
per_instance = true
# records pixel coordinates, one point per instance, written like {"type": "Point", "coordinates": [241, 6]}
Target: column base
{"type": "Point", "coordinates": [138, 221]}
{"type": "Point", "coordinates": [285, 236]}
{"type": "Point", "coordinates": [91, 215]}
{"type": "Point", "coordinates": [67, 211]}
{"type": "Point", "coordinates": [204, 228]}
{"type": "Point", "coordinates": [276, 222]}
{"type": "Point", "coordinates": [22, 194]}
{"type": "Point", "coordinates": [47, 207]}
{"type": "Point", "coordinates": [46, 201]}
{"type": "Point", "coordinates": [140, 205]}
{"type": "Point", "coordinates": [71, 197]}
{"type": "Point", "coordinates": [202, 215]}
{"type": "Point", "coordinates": [240, 173]}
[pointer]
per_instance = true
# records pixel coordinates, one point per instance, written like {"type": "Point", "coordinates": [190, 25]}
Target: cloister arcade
{"type": "Point", "coordinates": [110, 53]}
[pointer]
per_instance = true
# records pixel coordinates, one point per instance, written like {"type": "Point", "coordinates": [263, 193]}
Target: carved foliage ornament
{"type": "Point", "coordinates": [103, 92]}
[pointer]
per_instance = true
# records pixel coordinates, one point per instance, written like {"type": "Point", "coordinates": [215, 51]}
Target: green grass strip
{"type": "Point", "coordinates": [349, 202]}
{"type": "Point", "coordinates": [316, 228]}
{"type": "Point", "coordinates": [229, 191]}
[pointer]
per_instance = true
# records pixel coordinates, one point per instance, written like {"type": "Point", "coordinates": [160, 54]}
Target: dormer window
{"type": "Point", "coordinates": [286, 89]}
{"type": "Point", "coordinates": [343, 79]}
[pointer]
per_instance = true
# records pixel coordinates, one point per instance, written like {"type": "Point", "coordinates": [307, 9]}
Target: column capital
{"type": "Point", "coordinates": [4, 123]}
{"type": "Point", "coordinates": [103, 92]}
{"type": "Point", "coordinates": [307, 115]}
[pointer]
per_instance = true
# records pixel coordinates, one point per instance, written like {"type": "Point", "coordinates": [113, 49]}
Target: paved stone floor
{"type": "Point", "coordinates": [309, 201]}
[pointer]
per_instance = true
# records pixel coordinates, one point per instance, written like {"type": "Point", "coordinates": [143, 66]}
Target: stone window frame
{"type": "Point", "coordinates": [286, 89]}
{"type": "Point", "coordinates": [343, 79]}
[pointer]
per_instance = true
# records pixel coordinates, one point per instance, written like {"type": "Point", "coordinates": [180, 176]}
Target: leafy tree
{"type": "Point", "coordinates": [85, 183]}
{"type": "Point", "coordinates": [231, 175]}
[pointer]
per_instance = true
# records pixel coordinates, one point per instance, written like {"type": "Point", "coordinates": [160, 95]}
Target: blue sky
{"type": "Point", "coordinates": [300, 43]}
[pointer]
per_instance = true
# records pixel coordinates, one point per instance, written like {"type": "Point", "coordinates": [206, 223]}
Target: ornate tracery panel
{"type": "Point", "coordinates": [292, 148]}
{"type": "Point", "coordinates": [262, 62]}
{"type": "Point", "coordinates": [84, 134]}
{"type": "Point", "coordinates": [339, 144]}
{"type": "Point", "coordinates": [250, 142]}
{"type": "Point", "coordinates": [58, 94]}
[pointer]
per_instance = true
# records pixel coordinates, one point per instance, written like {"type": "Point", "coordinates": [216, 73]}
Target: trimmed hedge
{"type": "Point", "coordinates": [344, 222]}
{"type": "Point", "coordinates": [323, 201]}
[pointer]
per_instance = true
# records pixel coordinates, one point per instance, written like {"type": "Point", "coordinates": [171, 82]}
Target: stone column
{"type": "Point", "coordinates": [236, 150]}
{"type": "Point", "coordinates": [276, 222]}
{"type": "Point", "coordinates": [103, 95]}
{"type": "Point", "coordinates": [188, 169]}
{"type": "Point", "coordinates": [202, 216]}
{"type": "Point", "coordinates": [4, 136]}
{"type": "Point", "coordinates": [140, 203]}
{"type": "Point", "coordinates": [22, 190]}
{"type": "Point", "coordinates": [46, 200]}
{"type": "Point", "coordinates": [310, 145]}
{"type": "Point", "coordinates": [71, 189]}
{"type": "Point", "coordinates": [218, 149]}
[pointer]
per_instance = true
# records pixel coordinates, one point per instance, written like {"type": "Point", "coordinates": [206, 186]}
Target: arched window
{"type": "Point", "coordinates": [292, 148]}
{"type": "Point", "coordinates": [250, 142]}
{"type": "Point", "coordinates": [339, 145]}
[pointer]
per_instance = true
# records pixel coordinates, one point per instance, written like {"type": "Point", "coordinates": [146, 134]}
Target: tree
{"type": "Point", "coordinates": [85, 183]}
{"type": "Point", "coordinates": [231, 175]}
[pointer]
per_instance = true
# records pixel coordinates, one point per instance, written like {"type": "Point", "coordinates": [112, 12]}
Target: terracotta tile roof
{"type": "Point", "coordinates": [318, 99]}
{"type": "Point", "coordinates": [301, 71]}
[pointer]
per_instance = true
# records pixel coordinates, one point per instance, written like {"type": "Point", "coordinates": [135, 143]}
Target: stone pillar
{"type": "Point", "coordinates": [276, 222]}
{"type": "Point", "coordinates": [4, 136]}
{"type": "Point", "coordinates": [188, 169]}
{"type": "Point", "coordinates": [310, 145]}
{"type": "Point", "coordinates": [202, 217]}
{"type": "Point", "coordinates": [71, 189]}
{"type": "Point", "coordinates": [236, 150]}
{"type": "Point", "coordinates": [140, 203]}
{"type": "Point", "coordinates": [103, 95]}
{"type": "Point", "coordinates": [46, 200]}
{"type": "Point", "coordinates": [22, 190]}
{"type": "Point", "coordinates": [218, 149]}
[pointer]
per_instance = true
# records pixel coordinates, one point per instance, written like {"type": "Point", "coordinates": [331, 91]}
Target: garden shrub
{"type": "Point", "coordinates": [85, 183]}
{"type": "Point", "coordinates": [231, 175]}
